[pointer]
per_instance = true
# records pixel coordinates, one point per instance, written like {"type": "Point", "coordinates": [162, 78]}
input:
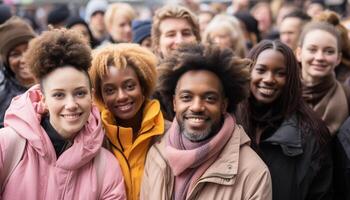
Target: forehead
{"type": "Point", "coordinates": [320, 38]}
{"type": "Point", "coordinates": [291, 23]}
{"type": "Point", "coordinates": [117, 75]}
{"type": "Point", "coordinates": [65, 78]}
{"type": "Point", "coordinates": [199, 81]}
{"type": "Point", "coordinates": [270, 57]}
{"type": "Point", "coordinates": [174, 24]}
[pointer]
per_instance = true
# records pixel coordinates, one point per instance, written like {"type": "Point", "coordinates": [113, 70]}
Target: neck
{"type": "Point", "coordinates": [134, 123]}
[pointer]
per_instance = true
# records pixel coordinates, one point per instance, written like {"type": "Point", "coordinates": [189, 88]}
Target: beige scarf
{"type": "Point", "coordinates": [328, 100]}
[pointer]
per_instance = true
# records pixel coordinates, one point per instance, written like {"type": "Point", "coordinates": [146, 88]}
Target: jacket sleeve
{"type": "Point", "coordinates": [113, 187]}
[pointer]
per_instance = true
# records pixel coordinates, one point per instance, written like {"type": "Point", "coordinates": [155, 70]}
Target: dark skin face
{"type": "Point", "coordinates": [199, 104]}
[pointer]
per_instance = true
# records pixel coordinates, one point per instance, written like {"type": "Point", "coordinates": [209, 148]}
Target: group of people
{"type": "Point", "coordinates": [180, 119]}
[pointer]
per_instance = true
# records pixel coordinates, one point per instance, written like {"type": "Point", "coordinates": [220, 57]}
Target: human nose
{"type": "Point", "coordinates": [121, 96]}
{"type": "Point", "coordinates": [179, 38]}
{"type": "Point", "coordinates": [197, 105]}
{"type": "Point", "coordinates": [269, 78]}
{"type": "Point", "coordinates": [319, 55]}
{"type": "Point", "coordinates": [71, 103]}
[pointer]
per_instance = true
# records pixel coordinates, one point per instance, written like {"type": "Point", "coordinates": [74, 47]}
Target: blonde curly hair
{"type": "Point", "coordinates": [121, 56]}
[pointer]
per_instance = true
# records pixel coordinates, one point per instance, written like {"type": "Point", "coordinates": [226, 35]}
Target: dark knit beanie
{"type": "Point", "coordinates": [141, 29]}
{"type": "Point", "coordinates": [13, 32]}
{"type": "Point", "coordinates": [58, 15]}
{"type": "Point", "coordinates": [5, 13]}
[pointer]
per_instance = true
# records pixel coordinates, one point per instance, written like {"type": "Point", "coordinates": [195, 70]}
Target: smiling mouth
{"type": "Point", "coordinates": [72, 116]}
{"type": "Point", "coordinates": [266, 91]}
{"type": "Point", "coordinates": [125, 107]}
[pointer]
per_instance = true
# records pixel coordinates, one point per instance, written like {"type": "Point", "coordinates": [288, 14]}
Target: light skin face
{"type": "Point", "coordinates": [173, 32]}
{"type": "Point", "coordinates": [18, 65]}
{"type": "Point", "coordinates": [318, 55]}
{"type": "Point", "coordinates": [120, 29]}
{"type": "Point", "coordinates": [203, 20]}
{"type": "Point", "coordinates": [67, 97]}
{"type": "Point", "coordinates": [199, 104]}
{"type": "Point", "coordinates": [122, 94]}
{"type": "Point", "coordinates": [268, 76]}
{"type": "Point", "coordinates": [96, 22]}
{"type": "Point", "coordinates": [289, 31]}
{"type": "Point", "coordinates": [221, 37]}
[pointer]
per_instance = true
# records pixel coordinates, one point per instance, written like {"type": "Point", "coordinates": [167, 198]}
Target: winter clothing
{"type": "Point", "coordinates": [328, 99]}
{"type": "Point", "coordinates": [9, 88]}
{"type": "Point", "coordinates": [5, 13]}
{"type": "Point", "coordinates": [58, 15]}
{"type": "Point", "coordinates": [195, 157]}
{"type": "Point", "coordinates": [95, 6]}
{"type": "Point", "coordinates": [236, 173]}
{"type": "Point", "coordinates": [13, 32]}
{"type": "Point", "coordinates": [41, 175]}
{"type": "Point", "coordinates": [341, 158]}
{"type": "Point", "coordinates": [298, 171]}
{"type": "Point", "coordinates": [141, 29]}
{"type": "Point", "coordinates": [131, 154]}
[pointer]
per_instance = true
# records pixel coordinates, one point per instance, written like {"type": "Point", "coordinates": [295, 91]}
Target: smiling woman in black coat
{"type": "Point", "coordinates": [287, 135]}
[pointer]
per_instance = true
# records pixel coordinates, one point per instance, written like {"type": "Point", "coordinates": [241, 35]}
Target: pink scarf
{"type": "Point", "coordinates": [189, 160]}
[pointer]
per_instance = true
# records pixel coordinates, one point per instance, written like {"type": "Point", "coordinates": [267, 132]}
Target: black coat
{"type": "Point", "coordinates": [341, 158]}
{"type": "Point", "coordinates": [298, 171]}
{"type": "Point", "coordinates": [9, 88]}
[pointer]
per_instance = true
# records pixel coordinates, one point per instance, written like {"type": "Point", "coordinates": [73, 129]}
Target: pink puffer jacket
{"type": "Point", "coordinates": [40, 175]}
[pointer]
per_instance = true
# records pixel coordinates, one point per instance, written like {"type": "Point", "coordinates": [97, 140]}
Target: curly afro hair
{"type": "Point", "coordinates": [232, 71]}
{"type": "Point", "coordinates": [57, 48]}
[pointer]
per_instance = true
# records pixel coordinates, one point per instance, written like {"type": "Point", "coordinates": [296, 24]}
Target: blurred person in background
{"type": "Point", "coordinates": [58, 16]}
{"type": "Point", "coordinates": [263, 14]}
{"type": "Point", "coordinates": [141, 30]}
{"type": "Point", "coordinates": [94, 16]}
{"type": "Point", "coordinates": [78, 24]}
{"type": "Point", "coordinates": [204, 18]}
{"type": "Point", "coordinates": [5, 13]}
{"type": "Point", "coordinates": [291, 27]}
{"type": "Point", "coordinates": [225, 31]}
{"type": "Point", "coordinates": [118, 18]}
{"type": "Point", "coordinates": [249, 27]}
{"type": "Point", "coordinates": [315, 7]}
{"type": "Point", "coordinates": [173, 25]}
{"type": "Point", "coordinates": [15, 34]}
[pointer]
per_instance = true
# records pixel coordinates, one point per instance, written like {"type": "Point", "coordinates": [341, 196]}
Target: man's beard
{"type": "Point", "coordinates": [196, 136]}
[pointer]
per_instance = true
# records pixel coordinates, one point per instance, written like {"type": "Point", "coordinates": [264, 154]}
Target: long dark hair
{"type": "Point", "coordinates": [290, 101]}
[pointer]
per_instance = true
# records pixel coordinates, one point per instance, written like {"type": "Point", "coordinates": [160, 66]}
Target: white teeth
{"type": "Point", "coordinates": [125, 107]}
{"type": "Point", "coordinates": [71, 116]}
{"type": "Point", "coordinates": [266, 91]}
{"type": "Point", "coordinates": [196, 120]}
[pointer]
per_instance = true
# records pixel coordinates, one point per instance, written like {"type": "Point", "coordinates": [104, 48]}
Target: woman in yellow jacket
{"type": "Point", "coordinates": [123, 77]}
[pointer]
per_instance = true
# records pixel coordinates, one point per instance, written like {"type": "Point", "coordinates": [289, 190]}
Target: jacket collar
{"type": "Point", "coordinates": [288, 136]}
{"type": "Point", "coordinates": [223, 170]}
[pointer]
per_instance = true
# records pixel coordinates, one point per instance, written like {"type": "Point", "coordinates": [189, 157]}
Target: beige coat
{"type": "Point", "coordinates": [238, 173]}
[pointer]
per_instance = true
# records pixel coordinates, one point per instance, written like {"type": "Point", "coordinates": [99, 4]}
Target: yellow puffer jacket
{"type": "Point", "coordinates": [131, 155]}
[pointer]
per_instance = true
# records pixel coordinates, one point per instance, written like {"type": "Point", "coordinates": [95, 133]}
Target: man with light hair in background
{"type": "Point", "coordinates": [173, 25]}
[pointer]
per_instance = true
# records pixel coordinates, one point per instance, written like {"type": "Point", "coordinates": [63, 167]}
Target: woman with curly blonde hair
{"type": "Point", "coordinates": [124, 76]}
